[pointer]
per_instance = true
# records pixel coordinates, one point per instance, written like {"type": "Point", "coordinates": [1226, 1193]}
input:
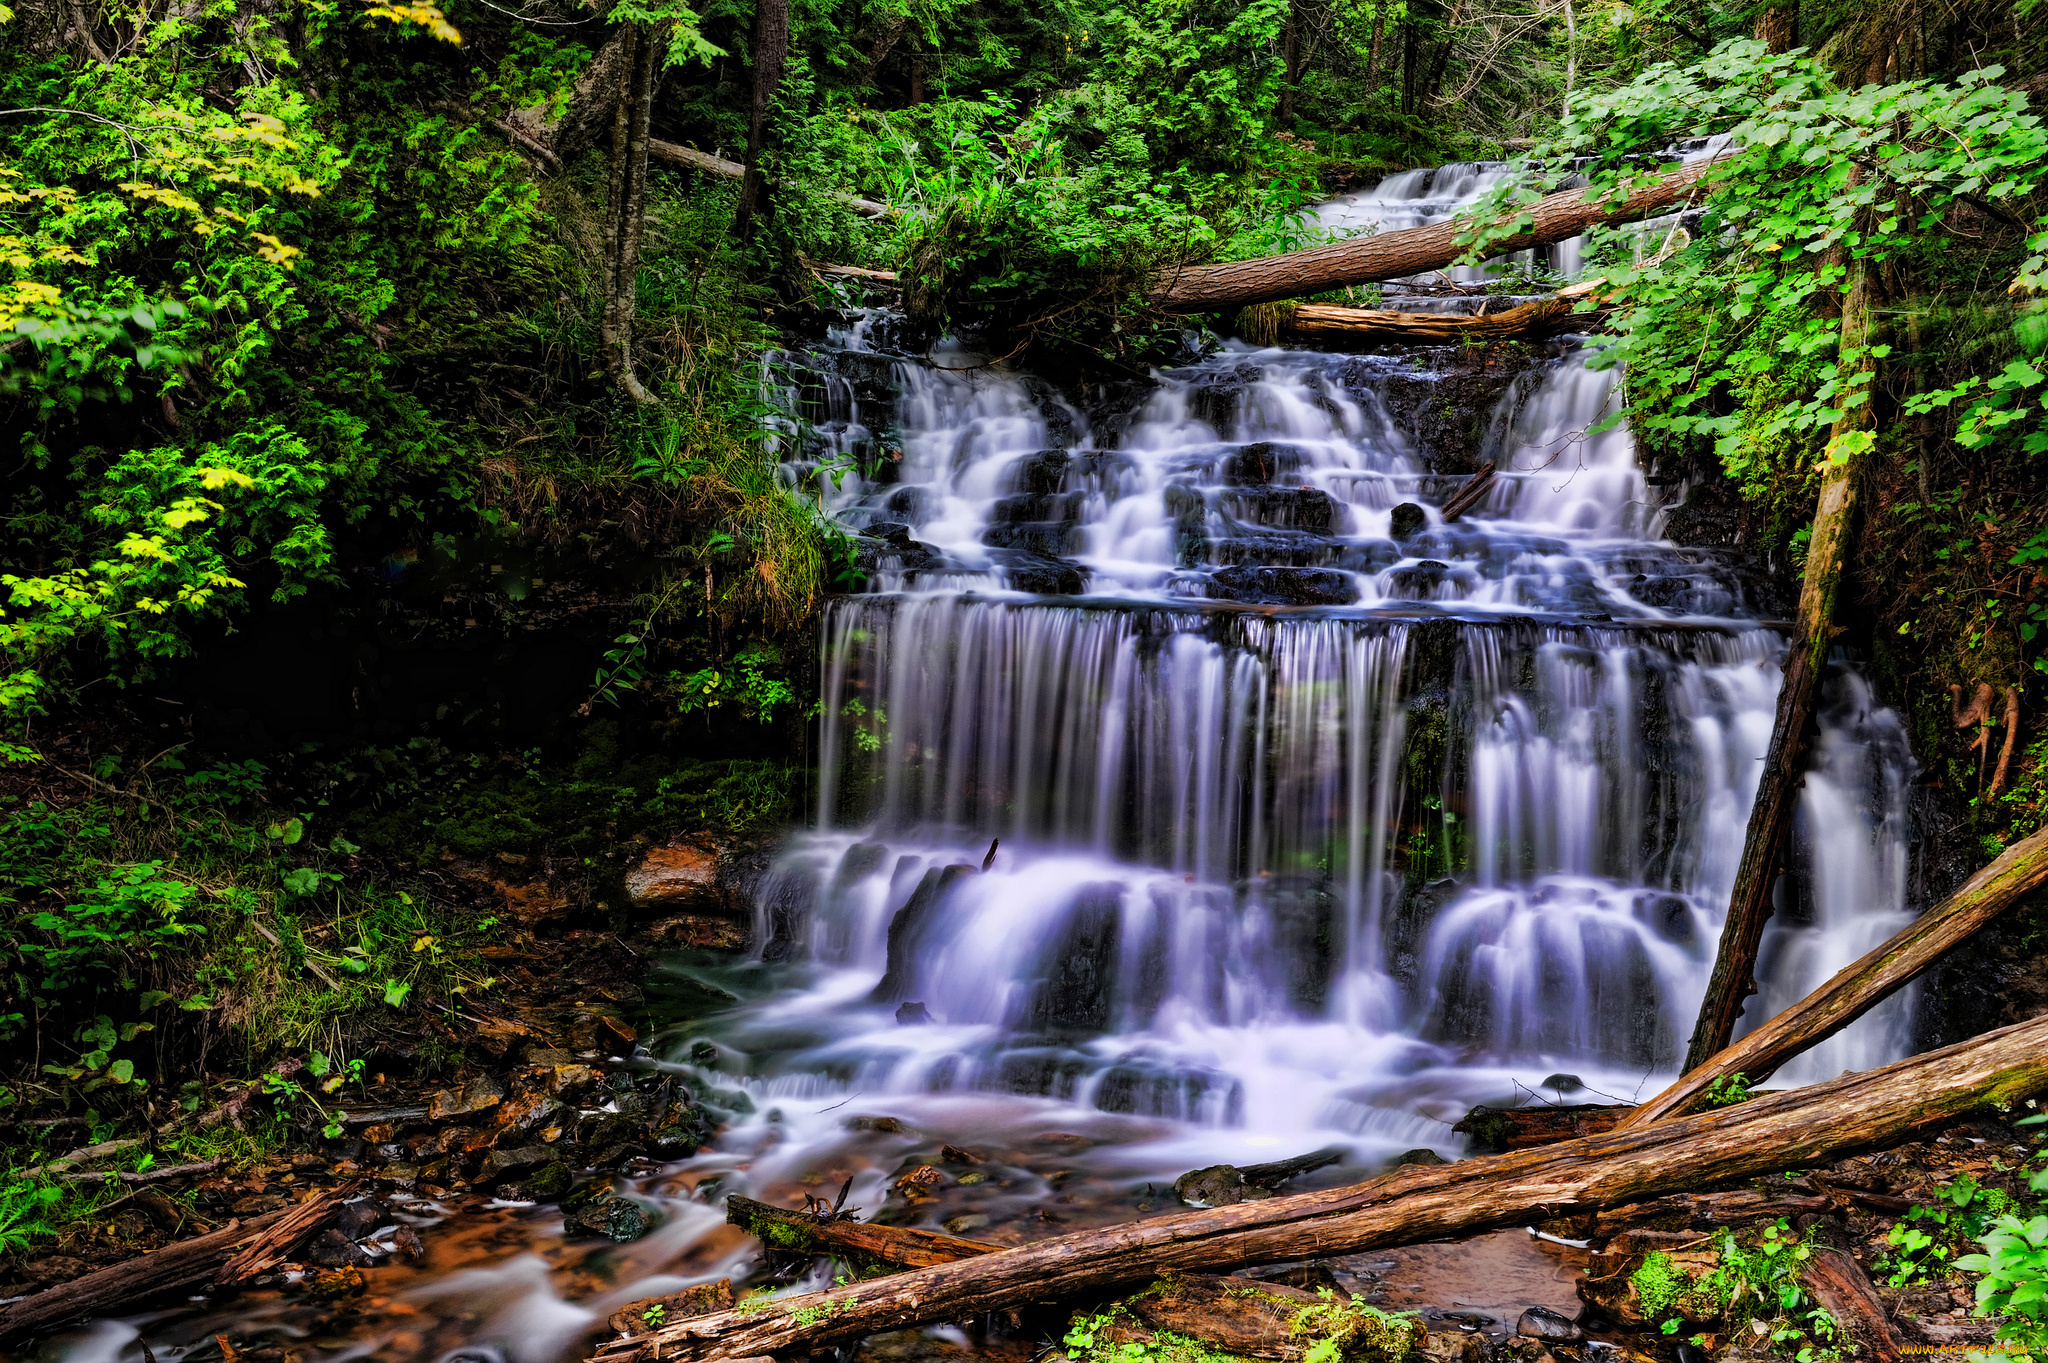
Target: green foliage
{"type": "Point", "coordinates": [1758, 1284]}
{"type": "Point", "coordinates": [1727, 1091]}
{"type": "Point", "coordinates": [1926, 1241]}
{"type": "Point", "coordinates": [24, 1212]}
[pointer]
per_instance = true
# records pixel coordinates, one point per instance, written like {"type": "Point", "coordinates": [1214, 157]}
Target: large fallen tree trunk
{"type": "Point", "coordinates": [1859, 987]}
{"type": "Point", "coordinates": [122, 1289]}
{"type": "Point", "coordinates": [1395, 255]}
{"type": "Point", "coordinates": [1415, 1202]}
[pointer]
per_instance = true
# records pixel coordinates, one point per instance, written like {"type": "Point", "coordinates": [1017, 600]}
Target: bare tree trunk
{"type": "Point", "coordinates": [1799, 1128]}
{"type": "Point", "coordinates": [1777, 26]}
{"type": "Point", "coordinates": [1571, 53]}
{"type": "Point", "coordinates": [627, 215]}
{"type": "Point", "coordinates": [1394, 255]}
{"type": "Point", "coordinates": [1372, 55]}
{"type": "Point", "coordinates": [1290, 64]}
{"type": "Point", "coordinates": [771, 59]}
{"type": "Point", "coordinates": [1777, 797]}
{"type": "Point", "coordinates": [1859, 987]}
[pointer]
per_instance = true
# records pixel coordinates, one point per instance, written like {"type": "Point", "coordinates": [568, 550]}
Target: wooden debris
{"type": "Point", "coordinates": [1498, 1129]}
{"type": "Point", "coordinates": [780, 1228]}
{"type": "Point", "coordinates": [292, 1229]}
{"type": "Point", "coordinates": [634, 1318]}
{"type": "Point", "coordinates": [124, 1287]}
{"type": "Point", "coordinates": [1469, 495]}
{"type": "Point", "coordinates": [1843, 1290]}
{"type": "Point", "coordinates": [1798, 1128]}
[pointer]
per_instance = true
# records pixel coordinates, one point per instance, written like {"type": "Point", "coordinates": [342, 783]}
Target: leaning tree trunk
{"type": "Point", "coordinates": [1765, 846]}
{"type": "Point", "coordinates": [771, 59]}
{"type": "Point", "coordinates": [1860, 986]}
{"type": "Point", "coordinates": [627, 214]}
{"type": "Point", "coordinates": [1777, 26]}
{"type": "Point", "coordinates": [1394, 255]}
{"type": "Point", "coordinates": [1798, 1128]}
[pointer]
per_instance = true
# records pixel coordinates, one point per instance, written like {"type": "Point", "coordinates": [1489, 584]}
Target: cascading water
{"type": "Point", "coordinates": [1321, 818]}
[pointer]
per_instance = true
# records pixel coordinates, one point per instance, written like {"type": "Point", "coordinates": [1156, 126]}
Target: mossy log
{"type": "Point", "coordinates": [2019, 870]}
{"type": "Point", "coordinates": [1416, 1202]}
{"type": "Point", "coordinates": [799, 1232]}
{"type": "Point", "coordinates": [1396, 255]}
{"type": "Point", "coordinates": [1245, 1318]}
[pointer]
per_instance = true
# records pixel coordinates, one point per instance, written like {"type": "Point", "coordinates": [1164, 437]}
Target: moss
{"type": "Point", "coordinates": [1355, 1332]}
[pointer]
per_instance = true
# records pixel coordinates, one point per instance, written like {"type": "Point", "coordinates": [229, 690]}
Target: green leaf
{"type": "Point", "coordinates": [121, 1071]}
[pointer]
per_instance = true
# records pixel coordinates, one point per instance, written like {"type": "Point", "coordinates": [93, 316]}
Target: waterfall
{"type": "Point", "coordinates": [1318, 815]}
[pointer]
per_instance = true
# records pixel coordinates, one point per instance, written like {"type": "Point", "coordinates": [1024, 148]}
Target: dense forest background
{"type": "Point", "coordinates": [390, 499]}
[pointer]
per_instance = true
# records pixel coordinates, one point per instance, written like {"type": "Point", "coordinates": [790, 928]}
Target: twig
{"type": "Point", "coordinates": [147, 1175]}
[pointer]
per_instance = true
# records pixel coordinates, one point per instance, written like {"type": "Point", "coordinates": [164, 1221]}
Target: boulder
{"type": "Point", "coordinates": [674, 878]}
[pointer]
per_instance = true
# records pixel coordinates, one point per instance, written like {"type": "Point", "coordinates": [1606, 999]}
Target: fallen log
{"type": "Point", "coordinates": [1497, 1129]}
{"type": "Point", "coordinates": [676, 154]}
{"type": "Point", "coordinates": [1844, 1291]}
{"type": "Point", "coordinates": [2019, 870]}
{"type": "Point", "coordinates": [1395, 255]}
{"type": "Point", "coordinates": [1706, 1211]}
{"type": "Point", "coordinates": [1241, 1317]}
{"type": "Point", "coordinates": [123, 1288]}
{"type": "Point", "coordinates": [276, 1243]}
{"type": "Point", "coordinates": [1535, 319]}
{"type": "Point", "coordinates": [1469, 495]}
{"type": "Point", "coordinates": [1415, 1202]}
{"type": "Point", "coordinates": [800, 1232]}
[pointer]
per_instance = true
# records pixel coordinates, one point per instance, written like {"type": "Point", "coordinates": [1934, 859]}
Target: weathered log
{"type": "Point", "coordinates": [1770, 820]}
{"type": "Point", "coordinates": [1497, 1129]}
{"type": "Point", "coordinates": [1273, 1173]}
{"type": "Point", "coordinates": [1468, 496]}
{"type": "Point", "coordinates": [1539, 317]}
{"type": "Point", "coordinates": [1415, 1202]}
{"type": "Point", "coordinates": [677, 154]}
{"type": "Point", "coordinates": [1843, 1290]}
{"type": "Point", "coordinates": [271, 1248]}
{"type": "Point", "coordinates": [700, 1300]}
{"type": "Point", "coordinates": [1706, 1211]}
{"type": "Point", "coordinates": [801, 1232]}
{"type": "Point", "coordinates": [2019, 870]}
{"type": "Point", "coordinates": [125, 1287]}
{"type": "Point", "coordinates": [1241, 1317]}
{"type": "Point", "coordinates": [1394, 255]}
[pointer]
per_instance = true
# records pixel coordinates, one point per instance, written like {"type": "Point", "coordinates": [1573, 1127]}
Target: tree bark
{"type": "Point", "coordinates": [1777, 27]}
{"type": "Point", "coordinates": [125, 1287]}
{"type": "Point", "coordinates": [1415, 1202]}
{"type": "Point", "coordinates": [1841, 1287]}
{"type": "Point", "coordinates": [591, 102]}
{"type": "Point", "coordinates": [2020, 870]}
{"type": "Point", "coordinates": [1290, 64]}
{"type": "Point", "coordinates": [1770, 819]}
{"type": "Point", "coordinates": [626, 218]}
{"type": "Point", "coordinates": [771, 59]}
{"type": "Point", "coordinates": [802, 1233]}
{"type": "Point", "coordinates": [1469, 495]}
{"type": "Point", "coordinates": [264, 1253]}
{"type": "Point", "coordinates": [1372, 54]}
{"type": "Point", "coordinates": [1394, 255]}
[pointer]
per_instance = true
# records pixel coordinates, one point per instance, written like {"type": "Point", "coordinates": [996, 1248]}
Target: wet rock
{"type": "Point", "coordinates": [618, 1219]}
{"type": "Point", "coordinates": [1283, 586]}
{"type": "Point", "coordinates": [502, 1163]}
{"type": "Point", "coordinates": [549, 1180]}
{"type": "Point", "coordinates": [527, 1112]}
{"type": "Point", "coordinates": [478, 1095]}
{"type": "Point", "coordinates": [1564, 1083]}
{"type": "Point", "coordinates": [920, 1184]}
{"type": "Point", "coordinates": [967, 1225]}
{"type": "Point", "coordinates": [1075, 992]}
{"type": "Point", "coordinates": [675, 877]}
{"type": "Point", "coordinates": [909, 926]}
{"type": "Point", "coordinates": [1042, 572]}
{"type": "Point", "coordinates": [336, 1284]}
{"type": "Point", "coordinates": [1451, 1346]}
{"type": "Point", "coordinates": [358, 1218]}
{"type": "Point", "coordinates": [893, 1126]}
{"type": "Point", "coordinates": [652, 1313]}
{"type": "Point", "coordinates": [1261, 462]}
{"type": "Point", "coordinates": [1542, 1323]}
{"type": "Point", "coordinates": [953, 1154]}
{"type": "Point", "coordinates": [912, 1015]}
{"type": "Point", "coordinates": [675, 1141]}
{"type": "Point", "coordinates": [1287, 508]}
{"type": "Point", "coordinates": [332, 1249]}
{"type": "Point", "coordinates": [406, 1241]}
{"type": "Point", "coordinates": [1408, 520]}
{"type": "Point", "coordinates": [1219, 1185]}
{"type": "Point", "coordinates": [1420, 1155]}
{"type": "Point", "coordinates": [1667, 915]}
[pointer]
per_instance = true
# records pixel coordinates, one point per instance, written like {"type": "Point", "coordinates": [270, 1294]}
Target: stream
{"type": "Point", "coordinates": [1317, 820]}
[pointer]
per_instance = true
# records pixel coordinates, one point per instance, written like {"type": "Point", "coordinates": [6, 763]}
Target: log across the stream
{"type": "Point", "coordinates": [1396, 255]}
{"type": "Point", "coordinates": [1537, 318]}
{"type": "Point", "coordinates": [797, 1231]}
{"type": "Point", "coordinates": [1859, 987]}
{"type": "Point", "coordinates": [1415, 1202]}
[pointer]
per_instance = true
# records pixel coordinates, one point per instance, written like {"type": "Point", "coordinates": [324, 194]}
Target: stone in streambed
{"type": "Point", "coordinates": [1420, 1155]}
{"type": "Point", "coordinates": [1542, 1323]}
{"type": "Point", "coordinates": [674, 877]}
{"type": "Point", "coordinates": [358, 1218]}
{"type": "Point", "coordinates": [615, 1218]}
{"type": "Point", "coordinates": [1408, 519]}
{"type": "Point", "coordinates": [332, 1249]}
{"type": "Point", "coordinates": [1219, 1185]}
